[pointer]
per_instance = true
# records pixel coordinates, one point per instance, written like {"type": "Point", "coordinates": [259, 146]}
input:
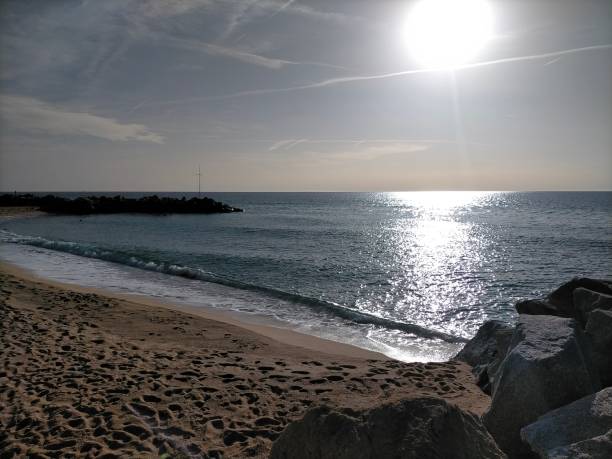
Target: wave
{"type": "Point", "coordinates": [137, 261]}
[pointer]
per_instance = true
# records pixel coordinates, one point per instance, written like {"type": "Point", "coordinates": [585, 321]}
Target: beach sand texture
{"type": "Point", "coordinates": [88, 375]}
{"type": "Point", "coordinates": [19, 212]}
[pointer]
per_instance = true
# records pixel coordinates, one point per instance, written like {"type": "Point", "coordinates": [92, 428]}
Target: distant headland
{"type": "Point", "coordinates": [116, 204]}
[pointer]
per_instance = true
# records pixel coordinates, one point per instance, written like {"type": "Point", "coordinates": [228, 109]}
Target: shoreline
{"type": "Point", "coordinates": [89, 374]}
{"type": "Point", "coordinates": [283, 328]}
{"type": "Point", "coordinates": [283, 335]}
{"type": "Point", "coordinates": [9, 213]}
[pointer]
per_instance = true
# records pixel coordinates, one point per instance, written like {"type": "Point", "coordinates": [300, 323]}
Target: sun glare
{"type": "Point", "coordinates": [448, 33]}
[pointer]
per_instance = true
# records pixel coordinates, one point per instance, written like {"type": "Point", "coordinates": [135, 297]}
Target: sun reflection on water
{"type": "Point", "coordinates": [441, 258]}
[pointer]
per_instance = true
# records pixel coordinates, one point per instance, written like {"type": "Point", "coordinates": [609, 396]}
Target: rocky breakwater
{"type": "Point", "coordinates": [550, 381]}
{"type": "Point", "coordinates": [116, 204]}
{"type": "Point", "coordinates": [550, 375]}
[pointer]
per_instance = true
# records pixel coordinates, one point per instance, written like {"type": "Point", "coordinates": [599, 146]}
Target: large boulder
{"type": "Point", "coordinates": [539, 307]}
{"type": "Point", "coordinates": [482, 348]}
{"type": "Point", "coordinates": [573, 427]}
{"type": "Point", "coordinates": [594, 448]}
{"type": "Point", "coordinates": [599, 334]}
{"type": "Point", "coordinates": [562, 297]}
{"type": "Point", "coordinates": [503, 339]}
{"type": "Point", "coordinates": [561, 301]}
{"type": "Point", "coordinates": [420, 428]}
{"type": "Point", "coordinates": [586, 300]}
{"type": "Point", "coordinates": [546, 367]}
{"type": "Point", "coordinates": [485, 351]}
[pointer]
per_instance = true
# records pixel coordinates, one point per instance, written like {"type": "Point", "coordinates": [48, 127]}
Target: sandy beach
{"type": "Point", "coordinates": [98, 375]}
{"type": "Point", "coordinates": [7, 213]}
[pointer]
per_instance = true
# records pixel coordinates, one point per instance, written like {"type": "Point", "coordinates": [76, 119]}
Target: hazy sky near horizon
{"type": "Point", "coordinates": [281, 95]}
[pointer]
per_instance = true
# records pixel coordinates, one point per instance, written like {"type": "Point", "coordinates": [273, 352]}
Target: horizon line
{"type": "Point", "coordinates": [418, 190]}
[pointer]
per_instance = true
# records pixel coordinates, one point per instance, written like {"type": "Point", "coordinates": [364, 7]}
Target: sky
{"type": "Point", "coordinates": [303, 95]}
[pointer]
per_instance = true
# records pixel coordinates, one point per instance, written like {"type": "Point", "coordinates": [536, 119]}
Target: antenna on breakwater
{"type": "Point", "coordinates": [199, 174]}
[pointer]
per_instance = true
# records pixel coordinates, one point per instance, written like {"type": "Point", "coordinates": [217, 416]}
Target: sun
{"type": "Point", "coordinates": [448, 33]}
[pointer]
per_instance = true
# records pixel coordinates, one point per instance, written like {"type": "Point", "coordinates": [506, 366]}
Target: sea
{"type": "Point", "coordinates": [409, 274]}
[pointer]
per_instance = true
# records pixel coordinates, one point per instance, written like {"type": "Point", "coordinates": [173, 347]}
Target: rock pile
{"type": "Point", "coordinates": [550, 378]}
{"type": "Point", "coordinates": [546, 375]}
{"type": "Point", "coordinates": [412, 429]}
{"type": "Point", "coordinates": [116, 204]}
{"type": "Point", "coordinates": [580, 429]}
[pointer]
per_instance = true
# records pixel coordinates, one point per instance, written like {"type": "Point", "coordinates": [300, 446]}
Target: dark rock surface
{"type": "Point", "coordinates": [586, 300]}
{"type": "Point", "coordinates": [424, 428]}
{"type": "Point", "coordinates": [599, 334]}
{"type": "Point", "coordinates": [504, 340]}
{"type": "Point", "coordinates": [538, 307]}
{"type": "Point", "coordinates": [546, 367]}
{"type": "Point", "coordinates": [555, 433]}
{"type": "Point", "coordinates": [485, 351]}
{"type": "Point", "coordinates": [482, 348]}
{"type": "Point", "coordinates": [562, 297]}
{"type": "Point", "coordinates": [594, 448]}
{"type": "Point", "coordinates": [561, 301]}
{"type": "Point", "coordinates": [117, 204]}
{"type": "Point", "coordinates": [559, 352]}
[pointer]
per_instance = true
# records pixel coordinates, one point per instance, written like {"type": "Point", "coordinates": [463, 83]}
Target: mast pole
{"type": "Point", "coordinates": [199, 176]}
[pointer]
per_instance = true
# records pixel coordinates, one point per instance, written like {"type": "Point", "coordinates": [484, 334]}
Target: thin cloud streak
{"type": "Point", "coordinates": [33, 115]}
{"type": "Point", "coordinates": [282, 8]}
{"type": "Point", "coordinates": [247, 11]}
{"type": "Point", "coordinates": [353, 79]}
{"type": "Point", "coordinates": [258, 59]}
{"type": "Point", "coordinates": [239, 17]}
{"type": "Point", "coordinates": [358, 152]}
{"type": "Point", "coordinates": [243, 56]}
{"type": "Point", "coordinates": [237, 54]}
{"type": "Point", "coordinates": [286, 144]}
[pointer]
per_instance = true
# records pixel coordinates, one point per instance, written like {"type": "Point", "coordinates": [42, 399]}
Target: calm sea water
{"type": "Point", "coordinates": [409, 274]}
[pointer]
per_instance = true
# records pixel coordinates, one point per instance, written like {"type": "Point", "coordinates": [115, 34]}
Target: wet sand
{"type": "Point", "coordinates": [90, 374]}
{"type": "Point", "coordinates": [19, 212]}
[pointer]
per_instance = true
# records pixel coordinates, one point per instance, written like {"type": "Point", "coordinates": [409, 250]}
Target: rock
{"type": "Point", "coordinates": [117, 204]}
{"type": "Point", "coordinates": [562, 297]}
{"type": "Point", "coordinates": [482, 348]}
{"type": "Point", "coordinates": [481, 351]}
{"type": "Point", "coordinates": [580, 422]}
{"type": "Point", "coordinates": [599, 334]}
{"type": "Point", "coordinates": [546, 367]}
{"type": "Point", "coordinates": [561, 301]}
{"type": "Point", "coordinates": [593, 448]}
{"type": "Point", "coordinates": [586, 300]}
{"type": "Point", "coordinates": [417, 428]}
{"type": "Point", "coordinates": [538, 307]}
{"type": "Point", "coordinates": [503, 340]}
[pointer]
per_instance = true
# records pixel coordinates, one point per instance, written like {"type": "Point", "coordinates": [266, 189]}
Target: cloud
{"type": "Point", "coordinates": [217, 50]}
{"type": "Point", "coordinates": [34, 115]}
{"type": "Point", "coordinates": [286, 144]}
{"type": "Point", "coordinates": [354, 150]}
{"type": "Point", "coordinates": [165, 8]}
{"type": "Point", "coordinates": [384, 76]}
{"type": "Point", "coordinates": [238, 17]}
{"type": "Point", "coordinates": [243, 10]}
{"type": "Point", "coordinates": [146, 33]}
{"type": "Point", "coordinates": [304, 10]}
{"type": "Point", "coordinates": [367, 152]}
{"type": "Point", "coordinates": [234, 53]}
{"type": "Point", "coordinates": [86, 41]}
{"type": "Point", "coordinates": [246, 11]}
{"type": "Point", "coordinates": [351, 79]}
{"type": "Point", "coordinates": [283, 7]}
